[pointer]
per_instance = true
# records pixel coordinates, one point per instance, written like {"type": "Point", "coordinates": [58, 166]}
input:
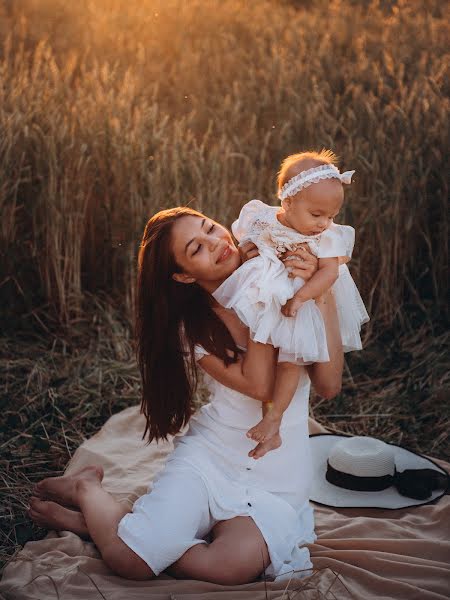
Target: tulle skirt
{"type": "Point", "coordinates": [261, 286]}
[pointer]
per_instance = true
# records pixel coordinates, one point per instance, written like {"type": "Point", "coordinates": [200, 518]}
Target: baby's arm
{"type": "Point", "coordinates": [266, 432]}
{"type": "Point", "coordinates": [319, 283]}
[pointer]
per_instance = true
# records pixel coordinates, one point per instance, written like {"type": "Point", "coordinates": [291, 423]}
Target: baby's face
{"type": "Point", "coordinates": [313, 209]}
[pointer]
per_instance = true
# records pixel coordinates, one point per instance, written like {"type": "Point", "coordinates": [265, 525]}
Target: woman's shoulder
{"type": "Point", "coordinates": [200, 352]}
{"type": "Point", "coordinates": [337, 240]}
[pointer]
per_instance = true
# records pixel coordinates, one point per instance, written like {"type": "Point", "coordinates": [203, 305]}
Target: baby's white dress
{"type": "Point", "coordinates": [261, 286]}
{"type": "Point", "coordinates": [209, 477]}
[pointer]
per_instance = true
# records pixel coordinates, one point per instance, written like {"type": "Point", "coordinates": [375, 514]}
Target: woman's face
{"type": "Point", "coordinates": [204, 250]}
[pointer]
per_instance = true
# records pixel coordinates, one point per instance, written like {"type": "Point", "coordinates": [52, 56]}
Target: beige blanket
{"type": "Point", "coordinates": [362, 554]}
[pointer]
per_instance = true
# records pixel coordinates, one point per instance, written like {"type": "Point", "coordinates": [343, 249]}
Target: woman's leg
{"type": "Point", "coordinates": [238, 554]}
{"type": "Point", "coordinates": [52, 515]}
{"type": "Point", "coordinates": [102, 514]}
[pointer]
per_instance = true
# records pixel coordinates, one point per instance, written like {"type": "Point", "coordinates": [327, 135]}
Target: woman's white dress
{"type": "Point", "coordinates": [261, 286]}
{"type": "Point", "coordinates": [209, 477]}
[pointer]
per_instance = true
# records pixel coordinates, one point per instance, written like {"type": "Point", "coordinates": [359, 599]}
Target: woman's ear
{"type": "Point", "coordinates": [183, 278]}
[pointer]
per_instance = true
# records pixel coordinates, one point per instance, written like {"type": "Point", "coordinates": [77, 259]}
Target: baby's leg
{"type": "Point", "coordinates": [286, 383]}
{"type": "Point", "coordinates": [326, 377]}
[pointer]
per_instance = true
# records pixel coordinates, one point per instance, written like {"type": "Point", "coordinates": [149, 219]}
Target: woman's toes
{"type": "Point", "coordinates": [51, 515]}
{"type": "Point", "coordinates": [38, 492]}
{"type": "Point", "coordinates": [64, 489]}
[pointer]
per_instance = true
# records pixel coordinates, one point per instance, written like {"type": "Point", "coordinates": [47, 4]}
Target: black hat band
{"type": "Point", "coordinates": [413, 483]}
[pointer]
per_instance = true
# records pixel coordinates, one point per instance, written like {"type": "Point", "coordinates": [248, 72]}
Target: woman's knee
{"type": "Point", "coordinates": [241, 564]}
{"type": "Point", "coordinates": [127, 564]}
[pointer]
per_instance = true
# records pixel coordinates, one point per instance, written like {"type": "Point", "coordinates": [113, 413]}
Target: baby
{"type": "Point", "coordinates": [281, 310]}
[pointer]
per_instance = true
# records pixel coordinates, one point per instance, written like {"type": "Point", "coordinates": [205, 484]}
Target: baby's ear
{"type": "Point", "coordinates": [183, 278]}
{"type": "Point", "coordinates": [286, 203]}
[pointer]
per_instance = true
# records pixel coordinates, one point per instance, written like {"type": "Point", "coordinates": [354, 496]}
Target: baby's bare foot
{"type": "Point", "coordinates": [266, 428]}
{"type": "Point", "coordinates": [63, 490]}
{"type": "Point", "coordinates": [54, 516]}
{"type": "Point", "coordinates": [264, 447]}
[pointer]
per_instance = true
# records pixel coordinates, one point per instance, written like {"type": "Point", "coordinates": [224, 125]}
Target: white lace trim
{"type": "Point", "coordinates": [266, 231]}
{"type": "Point", "coordinates": [314, 175]}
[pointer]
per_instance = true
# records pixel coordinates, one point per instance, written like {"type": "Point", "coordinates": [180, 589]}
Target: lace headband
{"type": "Point", "coordinates": [306, 178]}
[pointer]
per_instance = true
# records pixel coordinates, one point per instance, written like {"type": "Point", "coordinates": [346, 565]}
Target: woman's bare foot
{"type": "Point", "coordinates": [63, 490]}
{"type": "Point", "coordinates": [264, 447]}
{"type": "Point", "coordinates": [268, 427]}
{"type": "Point", "coordinates": [50, 515]}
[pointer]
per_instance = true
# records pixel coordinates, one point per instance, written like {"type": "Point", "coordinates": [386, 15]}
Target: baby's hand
{"type": "Point", "coordinates": [291, 307]}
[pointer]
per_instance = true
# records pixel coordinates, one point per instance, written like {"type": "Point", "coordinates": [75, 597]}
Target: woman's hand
{"type": "Point", "coordinates": [302, 262]}
{"type": "Point", "coordinates": [248, 250]}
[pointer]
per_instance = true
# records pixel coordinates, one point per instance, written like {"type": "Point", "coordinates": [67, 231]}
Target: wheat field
{"type": "Point", "coordinates": [114, 109]}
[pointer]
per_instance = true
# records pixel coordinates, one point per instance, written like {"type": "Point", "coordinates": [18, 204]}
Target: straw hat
{"type": "Point", "coordinates": [361, 471]}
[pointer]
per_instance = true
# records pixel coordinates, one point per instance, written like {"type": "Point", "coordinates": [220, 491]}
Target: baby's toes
{"type": "Point", "coordinates": [260, 450]}
{"type": "Point", "coordinates": [254, 432]}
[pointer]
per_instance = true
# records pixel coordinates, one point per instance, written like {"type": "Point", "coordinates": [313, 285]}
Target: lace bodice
{"type": "Point", "coordinates": [258, 223]}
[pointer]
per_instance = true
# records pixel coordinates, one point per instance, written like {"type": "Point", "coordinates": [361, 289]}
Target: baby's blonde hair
{"type": "Point", "coordinates": [296, 163]}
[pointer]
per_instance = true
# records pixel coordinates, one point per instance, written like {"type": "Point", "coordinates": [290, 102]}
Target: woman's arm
{"type": "Point", "coordinates": [327, 377]}
{"type": "Point", "coordinates": [253, 374]}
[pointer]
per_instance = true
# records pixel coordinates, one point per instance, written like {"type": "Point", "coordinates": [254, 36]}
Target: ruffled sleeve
{"type": "Point", "coordinates": [199, 352]}
{"type": "Point", "coordinates": [241, 228]}
{"type": "Point", "coordinates": [337, 240]}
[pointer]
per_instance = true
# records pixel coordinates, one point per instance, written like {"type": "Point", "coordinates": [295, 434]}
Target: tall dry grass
{"type": "Point", "coordinates": [112, 110]}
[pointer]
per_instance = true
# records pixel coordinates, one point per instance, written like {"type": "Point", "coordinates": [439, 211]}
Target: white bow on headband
{"type": "Point", "coordinates": [306, 178]}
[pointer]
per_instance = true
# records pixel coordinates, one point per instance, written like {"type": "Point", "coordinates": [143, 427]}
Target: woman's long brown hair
{"type": "Point", "coordinates": [164, 309]}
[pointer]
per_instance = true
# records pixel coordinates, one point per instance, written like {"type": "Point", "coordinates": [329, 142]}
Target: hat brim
{"type": "Point", "coordinates": [325, 493]}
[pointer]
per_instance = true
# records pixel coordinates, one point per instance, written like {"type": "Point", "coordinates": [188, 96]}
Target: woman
{"type": "Point", "coordinates": [253, 507]}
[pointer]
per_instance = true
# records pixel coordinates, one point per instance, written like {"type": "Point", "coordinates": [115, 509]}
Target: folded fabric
{"type": "Point", "coordinates": [359, 553]}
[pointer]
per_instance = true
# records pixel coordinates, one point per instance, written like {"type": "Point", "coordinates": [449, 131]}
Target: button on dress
{"type": "Point", "coordinates": [210, 461]}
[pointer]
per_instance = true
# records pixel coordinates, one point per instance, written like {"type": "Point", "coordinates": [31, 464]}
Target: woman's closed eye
{"type": "Point", "coordinates": [200, 245]}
